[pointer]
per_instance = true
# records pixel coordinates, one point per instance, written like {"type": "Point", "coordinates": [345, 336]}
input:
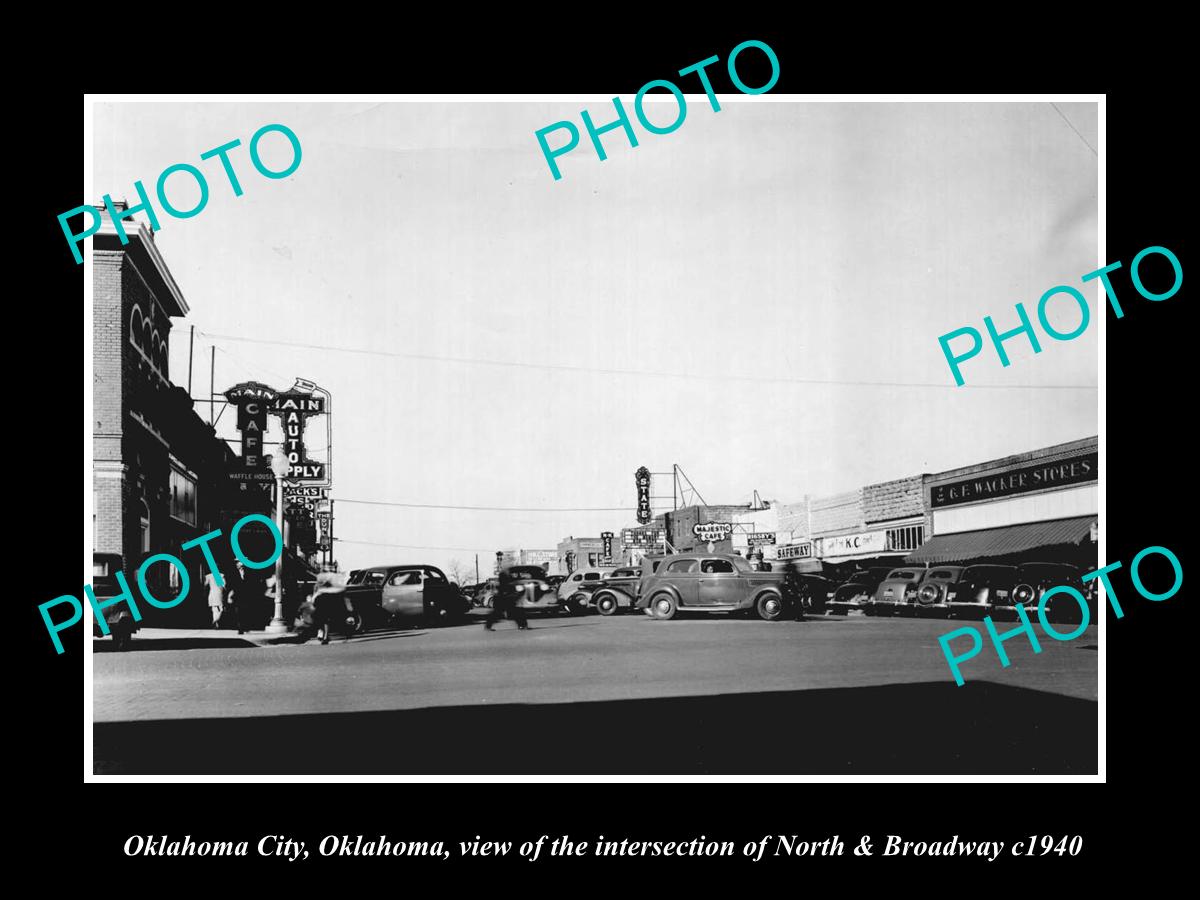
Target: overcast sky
{"type": "Point", "coordinates": [672, 304]}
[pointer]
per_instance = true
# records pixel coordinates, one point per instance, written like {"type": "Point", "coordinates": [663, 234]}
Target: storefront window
{"type": "Point", "coordinates": [909, 537]}
{"type": "Point", "coordinates": [183, 497]}
{"type": "Point", "coordinates": [144, 527]}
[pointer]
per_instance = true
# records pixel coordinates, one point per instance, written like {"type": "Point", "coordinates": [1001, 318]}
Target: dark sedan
{"type": "Point", "coordinates": [528, 588]}
{"type": "Point", "coordinates": [856, 591]}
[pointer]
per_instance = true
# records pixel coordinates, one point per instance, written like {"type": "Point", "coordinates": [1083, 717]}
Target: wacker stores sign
{"type": "Point", "coordinates": [1060, 473]}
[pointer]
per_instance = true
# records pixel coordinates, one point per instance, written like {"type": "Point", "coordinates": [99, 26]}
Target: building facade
{"type": "Point", "coordinates": [159, 471]}
{"type": "Point", "coordinates": [582, 553]}
{"type": "Point", "coordinates": [1037, 506]}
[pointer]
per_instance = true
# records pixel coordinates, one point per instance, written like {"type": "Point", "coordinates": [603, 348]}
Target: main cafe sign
{"type": "Point", "coordinates": [294, 407]}
{"type": "Point", "coordinates": [1060, 473]}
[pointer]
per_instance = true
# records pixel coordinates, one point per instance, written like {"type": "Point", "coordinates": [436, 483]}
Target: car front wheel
{"type": "Point", "coordinates": [606, 604]}
{"type": "Point", "coordinates": [769, 607]}
{"type": "Point", "coordinates": [663, 607]}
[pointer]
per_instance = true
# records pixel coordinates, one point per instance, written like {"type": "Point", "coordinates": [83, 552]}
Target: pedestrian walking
{"type": "Point", "coordinates": [246, 595]}
{"type": "Point", "coordinates": [506, 602]}
{"type": "Point", "coordinates": [217, 589]}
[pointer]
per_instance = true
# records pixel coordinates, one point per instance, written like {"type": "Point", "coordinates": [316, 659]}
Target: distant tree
{"type": "Point", "coordinates": [458, 571]}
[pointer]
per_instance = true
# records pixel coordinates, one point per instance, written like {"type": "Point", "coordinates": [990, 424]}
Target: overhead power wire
{"type": "Point", "coordinates": [411, 547]}
{"type": "Point", "coordinates": [553, 509]}
{"type": "Point", "coordinates": [641, 373]}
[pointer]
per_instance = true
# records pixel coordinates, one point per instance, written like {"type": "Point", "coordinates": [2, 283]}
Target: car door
{"type": "Point", "coordinates": [403, 593]}
{"type": "Point", "coordinates": [719, 583]}
{"type": "Point", "coordinates": [683, 575]}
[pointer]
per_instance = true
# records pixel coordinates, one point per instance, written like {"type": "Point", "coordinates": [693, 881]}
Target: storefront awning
{"type": "Point", "coordinates": [992, 542]}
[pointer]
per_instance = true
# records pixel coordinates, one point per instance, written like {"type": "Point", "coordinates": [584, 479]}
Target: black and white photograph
{"type": "Point", "coordinates": [527, 436]}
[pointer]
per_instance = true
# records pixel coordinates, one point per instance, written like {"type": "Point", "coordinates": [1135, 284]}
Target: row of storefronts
{"type": "Point", "coordinates": [161, 476]}
{"type": "Point", "coordinates": [1041, 505]}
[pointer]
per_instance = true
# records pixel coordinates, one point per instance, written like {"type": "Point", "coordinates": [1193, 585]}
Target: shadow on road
{"type": "Point", "coordinates": [180, 643]}
{"type": "Point", "coordinates": [926, 728]}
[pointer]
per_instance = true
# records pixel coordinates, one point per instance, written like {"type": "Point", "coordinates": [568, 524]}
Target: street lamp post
{"type": "Point", "coordinates": [280, 466]}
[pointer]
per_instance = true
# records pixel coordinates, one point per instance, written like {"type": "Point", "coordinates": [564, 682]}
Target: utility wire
{"type": "Point", "coordinates": [488, 508]}
{"type": "Point", "coordinates": [639, 373]}
{"type": "Point", "coordinates": [410, 547]}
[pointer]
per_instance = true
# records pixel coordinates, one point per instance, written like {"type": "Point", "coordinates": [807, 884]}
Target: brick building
{"type": "Point", "coordinates": [159, 471]}
{"type": "Point", "coordinates": [681, 522]}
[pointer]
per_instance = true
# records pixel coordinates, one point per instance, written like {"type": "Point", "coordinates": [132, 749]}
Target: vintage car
{"type": "Point", "coordinates": [578, 580]}
{"type": "Point", "coordinates": [806, 592]}
{"type": "Point", "coordinates": [118, 617]}
{"type": "Point", "coordinates": [486, 592]}
{"type": "Point", "coordinates": [856, 591]}
{"type": "Point", "coordinates": [414, 594]}
{"type": "Point", "coordinates": [526, 587]}
{"type": "Point", "coordinates": [974, 591]}
{"type": "Point", "coordinates": [708, 583]}
{"type": "Point", "coordinates": [1033, 580]}
{"type": "Point", "coordinates": [615, 592]}
{"type": "Point", "coordinates": [897, 592]}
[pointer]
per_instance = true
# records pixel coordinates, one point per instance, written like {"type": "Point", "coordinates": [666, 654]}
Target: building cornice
{"type": "Point", "coordinates": [142, 241]}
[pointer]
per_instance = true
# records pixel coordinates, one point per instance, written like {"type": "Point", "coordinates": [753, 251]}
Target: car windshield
{"type": "Point", "coordinates": [741, 565]}
{"type": "Point", "coordinates": [526, 572]}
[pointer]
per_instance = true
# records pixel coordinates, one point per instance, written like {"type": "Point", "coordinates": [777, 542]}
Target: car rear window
{"type": "Point", "coordinates": [941, 573]}
{"type": "Point", "coordinates": [592, 576]}
{"type": "Point", "coordinates": [901, 575]}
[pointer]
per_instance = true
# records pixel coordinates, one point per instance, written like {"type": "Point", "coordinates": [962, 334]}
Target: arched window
{"type": "Point", "coordinates": [136, 322]}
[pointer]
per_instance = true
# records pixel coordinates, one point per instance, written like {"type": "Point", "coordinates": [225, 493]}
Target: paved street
{"type": "Point", "coordinates": [594, 694]}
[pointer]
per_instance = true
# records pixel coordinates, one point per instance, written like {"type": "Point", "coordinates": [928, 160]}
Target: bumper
{"type": "Point", "coordinates": [971, 609]}
{"type": "Point", "coordinates": [887, 606]}
{"type": "Point", "coordinates": [847, 604]}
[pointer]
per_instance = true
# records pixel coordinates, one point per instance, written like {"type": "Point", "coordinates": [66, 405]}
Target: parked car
{"type": "Point", "coordinates": [806, 593]}
{"type": "Point", "coordinates": [619, 590]}
{"type": "Point", "coordinates": [118, 617]}
{"type": "Point", "coordinates": [856, 591]}
{"type": "Point", "coordinates": [1031, 582]}
{"type": "Point", "coordinates": [406, 593]}
{"type": "Point", "coordinates": [571, 585]}
{"type": "Point", "coordinates": [526, 587]}
{"type": "Point", "coordinates": [486, 592]}
{"type": "Point", "coordinates": [708, 583]}
{"type": "Point", "coordinates": [975, 590]}
{"type": "Point", "coordinates": [896, 593]}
